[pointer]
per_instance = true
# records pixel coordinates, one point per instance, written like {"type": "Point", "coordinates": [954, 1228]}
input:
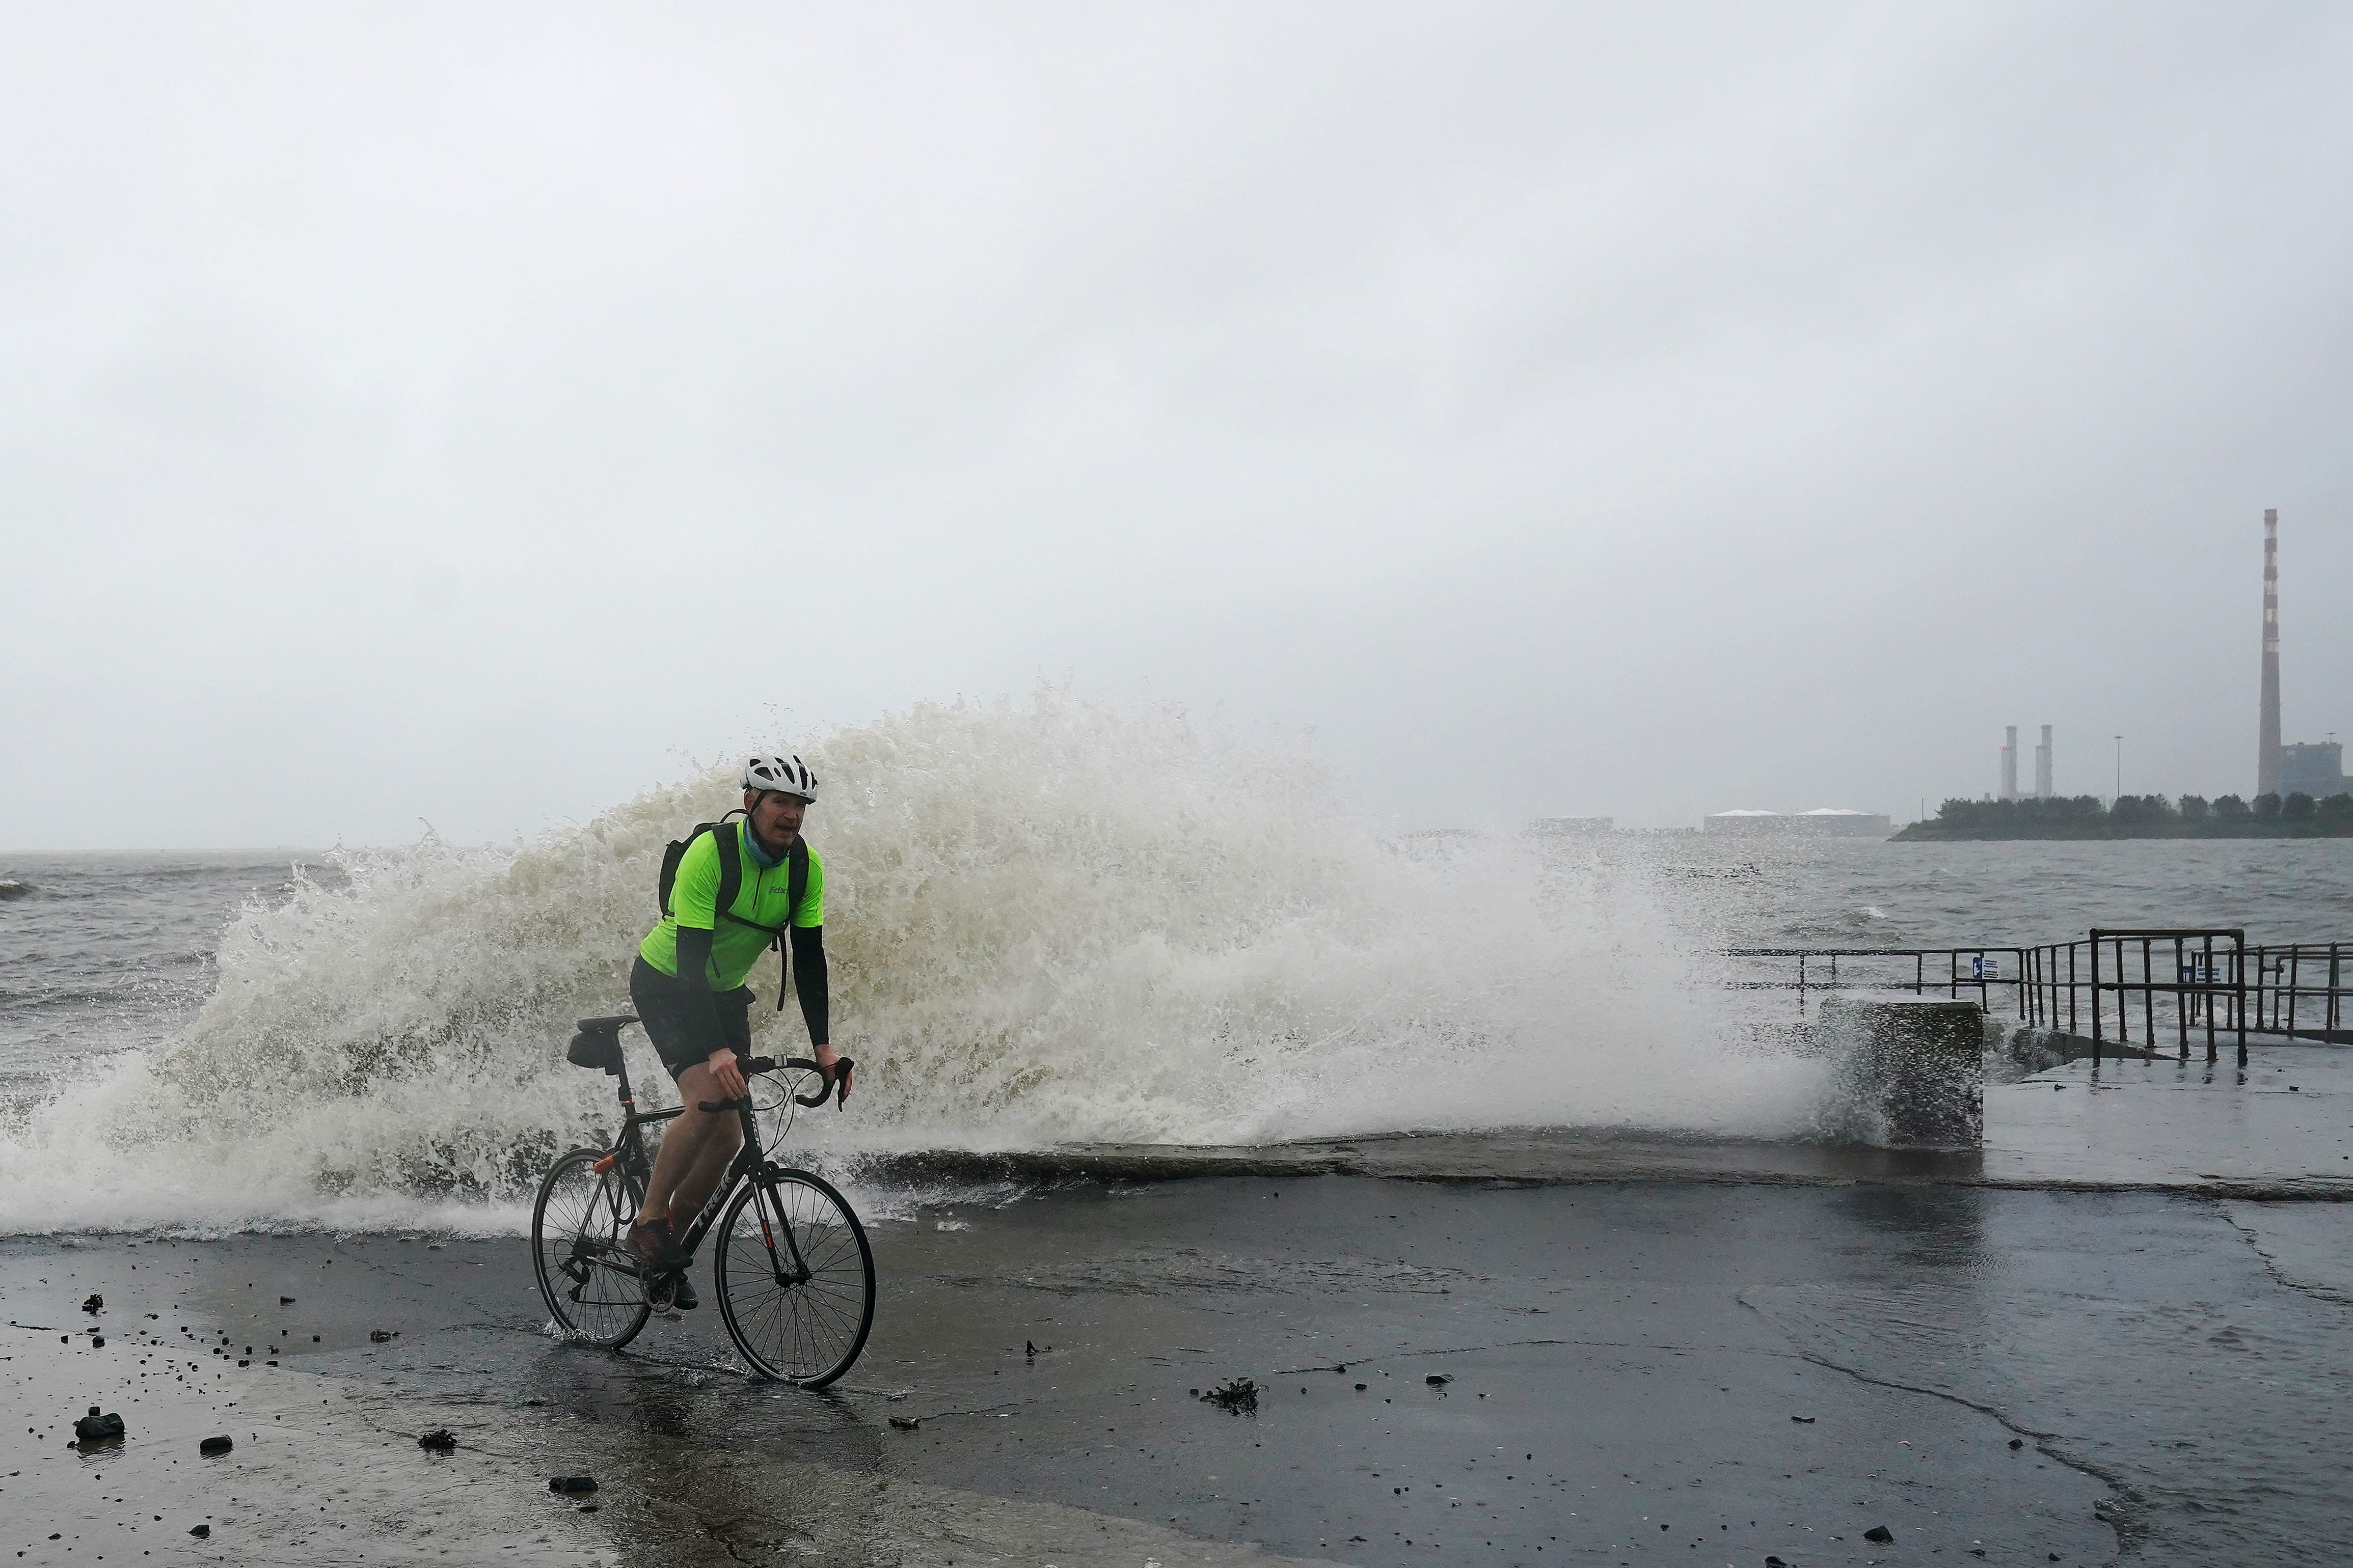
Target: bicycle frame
{"type": "Point", "coordinates": [796, 1294]}
{"type": "Point", "coordinates": [750, 1163]}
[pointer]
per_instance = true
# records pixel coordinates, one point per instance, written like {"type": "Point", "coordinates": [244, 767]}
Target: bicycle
{"type": "Point", "coordinates": [793, 1273]}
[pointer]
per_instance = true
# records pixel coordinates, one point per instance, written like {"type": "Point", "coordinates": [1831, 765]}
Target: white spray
{"type": "Point", "coordinates": [1045, 922]}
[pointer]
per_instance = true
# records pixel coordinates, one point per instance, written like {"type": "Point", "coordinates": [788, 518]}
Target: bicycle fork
{"type": "Point", "coordinates": [800, 1270]}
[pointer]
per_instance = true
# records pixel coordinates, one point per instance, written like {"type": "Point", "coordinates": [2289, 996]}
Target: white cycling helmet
{"type": "Point", "coordinates": [786, 775]}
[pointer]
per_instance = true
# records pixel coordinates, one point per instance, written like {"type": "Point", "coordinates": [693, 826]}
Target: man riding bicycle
{"type": "Point", "coordinates": [688, 985]}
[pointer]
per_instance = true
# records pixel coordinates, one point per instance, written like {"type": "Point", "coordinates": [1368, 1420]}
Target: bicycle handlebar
{"type": "Point", "coordinates": [841, 1067]}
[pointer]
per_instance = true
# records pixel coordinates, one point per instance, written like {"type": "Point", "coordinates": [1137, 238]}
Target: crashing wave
{"type": "Point", "coordinates": [1047, 922]}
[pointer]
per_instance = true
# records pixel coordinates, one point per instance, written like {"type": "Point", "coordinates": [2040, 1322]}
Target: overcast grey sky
{"type": "Point", "coordinates": [467, 414]}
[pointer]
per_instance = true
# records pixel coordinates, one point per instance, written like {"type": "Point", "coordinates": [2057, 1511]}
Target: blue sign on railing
{"type": "Point", "coordinates": [1982, 967]}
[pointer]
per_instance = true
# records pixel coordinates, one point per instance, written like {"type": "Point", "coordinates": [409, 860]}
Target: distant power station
{"type": "Point", "coordinates": [2316, 768]}
{"type": "Point", "coordinates": [2009, 764]}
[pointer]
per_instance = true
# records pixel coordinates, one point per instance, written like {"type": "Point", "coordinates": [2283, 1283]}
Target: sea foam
{"type": "Point", "coordinates": [1047, 922]}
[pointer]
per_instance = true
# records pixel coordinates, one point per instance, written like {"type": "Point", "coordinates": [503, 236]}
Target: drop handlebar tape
{"type": "Point", "coordinates": [842, 1067]}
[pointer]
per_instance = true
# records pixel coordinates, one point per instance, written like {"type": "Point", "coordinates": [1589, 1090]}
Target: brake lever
{"type": "Point", "coordinates": [841, 1069]}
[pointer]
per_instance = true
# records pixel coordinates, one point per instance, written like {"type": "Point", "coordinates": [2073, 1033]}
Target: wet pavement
{"type": "Point", "coordinates": [1694, 1372]}
{"type": "Point", "coordinates": [2282, 1125]}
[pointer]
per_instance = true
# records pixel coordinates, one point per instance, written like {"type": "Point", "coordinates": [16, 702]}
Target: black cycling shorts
{"type": "Point", "coordinates": [681, 1036]}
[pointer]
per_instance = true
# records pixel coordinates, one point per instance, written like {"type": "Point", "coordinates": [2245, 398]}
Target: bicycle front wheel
{"type": "Point", "coordinates": [579, 1249]}
{"type": "Point", "coordinates": [796, 1279]}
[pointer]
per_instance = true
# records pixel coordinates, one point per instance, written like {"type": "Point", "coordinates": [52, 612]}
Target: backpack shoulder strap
{"type": "Point", "coordinates": [731, 865]}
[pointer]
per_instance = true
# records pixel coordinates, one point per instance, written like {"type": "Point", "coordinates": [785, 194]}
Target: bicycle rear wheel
{"type": "Point", "coordinates": [796, 1279]}
{"type": "Point", "coordinates": [579, 1250]}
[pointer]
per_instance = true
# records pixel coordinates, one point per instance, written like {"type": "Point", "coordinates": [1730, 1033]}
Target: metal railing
{"type": "Point", "coordinates": [1984, 970]}
{"type": "Point", "coordinates": [2204, 985]}
{"type": "Point", "coordinates": [2137, 988]}
{"type": "Point", "coordinates": [2281, 989]}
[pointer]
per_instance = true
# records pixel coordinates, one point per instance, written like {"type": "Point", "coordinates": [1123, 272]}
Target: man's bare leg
{"type": "Point", "coordinates": [680, 1157]}
{"type": "Point", "coordinates": [695, 1188]}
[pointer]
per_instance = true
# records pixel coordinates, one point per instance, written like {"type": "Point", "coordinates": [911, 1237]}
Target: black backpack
{"type": "Point", "coordinates": [730, 879]}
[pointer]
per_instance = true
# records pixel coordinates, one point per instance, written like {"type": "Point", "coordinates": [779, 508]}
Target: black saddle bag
{"type": "Point", "coordinates": [598, 1043]}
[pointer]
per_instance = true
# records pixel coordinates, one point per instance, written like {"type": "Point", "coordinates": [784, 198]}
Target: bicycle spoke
{"type": "Point", "coordinates": [806, 1324]}
{"type": "Point", "coordinates": [579, 1227]}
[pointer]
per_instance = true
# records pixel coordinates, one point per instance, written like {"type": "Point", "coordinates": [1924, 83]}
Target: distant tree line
{"type": "Point", "coordinates": [2298, 815]}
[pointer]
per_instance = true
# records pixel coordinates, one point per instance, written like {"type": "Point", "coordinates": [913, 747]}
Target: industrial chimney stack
{"type": "Point", "coordinates": [2010, 764]}
{"type": "Point", "coordinates": [2042, 766]}
{"type": "Point", "coordinates": [2267, 745]}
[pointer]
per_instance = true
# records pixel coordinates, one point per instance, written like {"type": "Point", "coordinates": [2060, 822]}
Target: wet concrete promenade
{"type": "Point", "coordinates": [1654, 1352]}
{"type": "Point", "coordinates": [2278, 1128]}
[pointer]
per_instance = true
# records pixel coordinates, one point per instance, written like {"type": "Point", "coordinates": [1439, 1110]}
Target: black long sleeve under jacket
{"type": "Point", "coordinates": [809, 979]}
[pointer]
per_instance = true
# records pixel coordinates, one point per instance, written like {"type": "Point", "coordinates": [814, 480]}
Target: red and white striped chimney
{"type": "Point", "coordinates": [2267, 745]}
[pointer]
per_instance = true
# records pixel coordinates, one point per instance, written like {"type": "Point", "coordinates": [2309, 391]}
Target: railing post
{"type": "Point", "coordinates": [2294, 979]}
{"type": "Point", "coordinates": [2239, 974]}
{"type": "Point", "coordinates": [2206, 997]}
{"type": "Point", "coordinates": [2333, 993]}
{"type": "Point", "coordinates": [2181, 1001]}
{"type": "Point", "coordinates": [2096, 997]}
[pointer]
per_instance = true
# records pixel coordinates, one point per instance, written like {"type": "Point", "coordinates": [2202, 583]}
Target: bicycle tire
{"type": "Point", "coordinates": [579, 1235]}
{"type": "Point", "coordinates": [805, 1331]}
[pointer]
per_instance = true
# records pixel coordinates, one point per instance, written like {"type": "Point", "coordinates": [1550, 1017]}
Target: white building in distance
{"type": "Point", "coordinates": [1823, 822]}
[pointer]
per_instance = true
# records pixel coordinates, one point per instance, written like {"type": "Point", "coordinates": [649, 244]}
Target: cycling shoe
{"type": "Point", "coordinates": [654, 1245]}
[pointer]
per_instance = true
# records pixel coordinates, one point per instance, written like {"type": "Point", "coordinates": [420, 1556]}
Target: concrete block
{"type": "Point", "coordinates": [1912, 1069]}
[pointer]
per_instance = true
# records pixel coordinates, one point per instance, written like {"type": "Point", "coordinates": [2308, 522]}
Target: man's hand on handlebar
{"type": "Point", "coordinates": [727, 1073]}
{"type": "Point", "coordinates": [826, 1058]}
